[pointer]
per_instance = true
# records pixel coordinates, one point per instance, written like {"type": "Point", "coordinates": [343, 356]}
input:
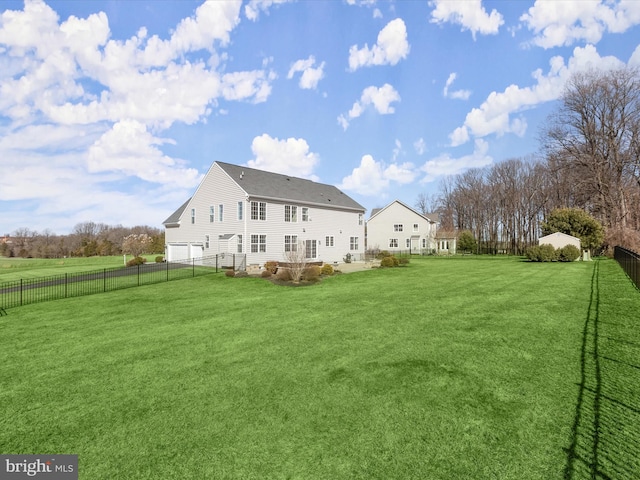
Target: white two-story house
{"type": "Point", "coordinates": [399, 228]}
{"type": "Point", "coordinates": [264, 215]}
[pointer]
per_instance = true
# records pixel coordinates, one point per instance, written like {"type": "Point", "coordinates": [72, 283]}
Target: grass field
{"type": "Point", "coordinates": [448, 368]}
{"type": "Point", "coordinates": [12, 269]}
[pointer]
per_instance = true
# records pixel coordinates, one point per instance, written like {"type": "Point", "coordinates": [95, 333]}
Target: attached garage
{"type": "Point", "coordinates": [177, 251]}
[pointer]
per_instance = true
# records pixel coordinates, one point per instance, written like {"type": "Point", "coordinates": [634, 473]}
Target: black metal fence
{"type": "Point", "coordinates": [33, 290]}
{"type": "Point", "coordinates": [630, 263]}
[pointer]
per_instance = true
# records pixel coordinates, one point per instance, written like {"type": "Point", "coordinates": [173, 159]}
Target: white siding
{"type": "Point", "coordinates": [381, 229]}
{"type": "Point", "coordinates": [218, 188]}
{"type": "Point", "coordinates": [341, 225]}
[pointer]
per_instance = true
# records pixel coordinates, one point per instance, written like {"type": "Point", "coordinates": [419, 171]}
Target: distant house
{"type": "Point", "coordinates": [264, 215]}
{"type": "Point", "coordinates": [559, 240]}
{"type": "Point", "coordinates": [398, 227]}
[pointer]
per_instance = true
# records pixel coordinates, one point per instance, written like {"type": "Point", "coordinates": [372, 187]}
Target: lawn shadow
{"type": "Point", "coordinates": [605, 436]}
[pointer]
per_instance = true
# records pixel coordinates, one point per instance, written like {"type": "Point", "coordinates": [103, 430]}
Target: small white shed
{"type": "Point", "coordinates": [559, 240]}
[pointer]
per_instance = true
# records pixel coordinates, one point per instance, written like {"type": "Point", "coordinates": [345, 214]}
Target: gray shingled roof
{"type": "Point", "coordinates": [274, 186]}
{"type": "Point", "coordinates": [174, 218]}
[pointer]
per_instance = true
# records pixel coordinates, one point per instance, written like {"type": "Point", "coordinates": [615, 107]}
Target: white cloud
{"type": "Point", "coordinates": [391, 47]}
{"type": "Point", "coordinates": [310, 75]}
{"type": "Point", "coordinates": [95, 107]}
{"type": "Point", "coordinates": [290, 156]}
{"type": "Point", "coordinates": [420, 146]}
{"type": "Point", "coordinates": [128, 148]}
{"type": "Point", "coordinates": [494, 116]}
{"type": "Point", "coordinates": [444, 165]}
{"type": "Point", "coordinates": [380, 98]}
{"type": "Point", "coordinates": [634, 61]}
{"type": "Point", "coordinates": [469, 14]}
{"type": "Point", "coordinates": [569, 21]}
{"type": "Point", "coordinates": [372, 178]}
{"type": "Point", "coordinates": [457, 94]}
{"type": "Point", "coordinates": [253, 7]}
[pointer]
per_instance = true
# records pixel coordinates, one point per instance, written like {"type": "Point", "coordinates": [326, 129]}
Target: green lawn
{"type": "Point", "coordinates": [476, 368]}
{"type": "Point", "coordinates": [12, 269]}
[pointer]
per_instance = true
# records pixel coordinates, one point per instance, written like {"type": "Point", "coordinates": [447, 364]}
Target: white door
{"type": "Point", "coordinates": [311, 250]}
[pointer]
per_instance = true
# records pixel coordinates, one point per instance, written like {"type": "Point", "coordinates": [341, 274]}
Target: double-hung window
{"type": "Point", "coordinates": [305, 214]}
{"type": "Point", "coordinates": [290, 213]}
{"type": "Point", "coordinates": [212, 214]}
{"type": "Point", "coordinates": [206, 241]}
{"type": "Point", "coordinates": [353, 243]}
{"type": "Point", "coordinates": [258, 243]}
{"type": "Point", "coordinates": [240, 207]}
{"type": "Point", "coordinates": [393, 243]}
{"type": "Point", "coordinates": [239, 243]}
{"type": "Point", "coordinates": [290, 243]}
{"type": "Point", "coordinates": [398, 227]}
{"type": "Point", "coordinates": [220, 212]}
{"type": "Point", "coordinates": [193, 215]}
{"type": "Point", "coordinates": [258, 211]}
{"type": "Point", "coordinates": [329, 241]}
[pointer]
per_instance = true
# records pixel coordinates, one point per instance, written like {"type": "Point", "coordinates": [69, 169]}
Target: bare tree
{"type": "Point", "coordinates": [296, 259]}
{"type": "Point", "coordinates": [593, 140]}
{"type": "Point", "coordinates": [136, 244]}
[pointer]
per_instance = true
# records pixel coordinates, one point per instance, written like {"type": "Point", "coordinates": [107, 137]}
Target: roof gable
{"type": "Point", "coordinates": [275, 186]}
{"type": "Point", "coordinates": [559, 234]}
{"type": "Point", "coordinates": [174, 218]}
{"type": "Point", "coordinates": [378, 211]}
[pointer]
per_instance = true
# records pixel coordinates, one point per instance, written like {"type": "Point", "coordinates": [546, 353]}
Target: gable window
{"type": "Point", "coordinates": [212, 214]}
{"type": "Point", "coordinates": [258, 243]}
{"type": "Point", "coordinates": [415, 227]}
{"type": "Point", "coordinates": [258, 211]}
{"type": "Point", "coordinates": [193, 215]}
{"type": "Point", "coordinates": [398, 227]}
{"type": "Point", "coordinates": [290, 243]}
{"type": "Point", "coordinates": [360, 219]}
{"type": "Point", "coordinates": [239, 243]}
{"type": "Point", "coordinates": [305, 214]}
{"type": "Point", "coordinates": [290, 213]}
{"type": "Point", "coordinates": [393, 243]}
{"type": "Point", "coordinates": [353, 243]}
{"type": "Point", "coordinates": [328, 241]}
{"type": "Point", "coordinates": [206, 241]}
{"type": "Point", "coordinates": [220, 212]}
{"type": "Point", "coordinates": [240, 206]}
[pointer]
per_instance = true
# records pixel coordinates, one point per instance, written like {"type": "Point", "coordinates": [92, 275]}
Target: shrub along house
{"type": "Point", "coordinates": [399, 228]}
{"type": "Point", "coordinates": [264, 215]}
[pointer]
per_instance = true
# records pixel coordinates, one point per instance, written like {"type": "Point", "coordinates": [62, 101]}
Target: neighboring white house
{"type": "Point", "coordinates": [559, 240]}
{"type": "Point", "coordinates": [238, 209]}
{"type": "Point", "coordinates": [398, 227]}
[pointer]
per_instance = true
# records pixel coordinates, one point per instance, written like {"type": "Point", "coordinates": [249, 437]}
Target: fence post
{"type": "Point", "coordinates": [20, 292]}
{"type": "Point", "coordinates": [216, 263]}
{"type": "Point", "coordinates": [104, 279]}
{"type": "Point", "coordinates": [193, 267]}
{"type": "Point", "coordinates": [167, 269]}
{"type": "Point", "coordinates": [65, 284]}
{"type": "Point", "coordinates": [138, 274]}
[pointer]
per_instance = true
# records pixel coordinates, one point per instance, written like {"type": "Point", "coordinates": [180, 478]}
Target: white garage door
{"type": "Point", "coordinates": [197, 251]}
{"type": "Point", "coordinates": [177, 251]}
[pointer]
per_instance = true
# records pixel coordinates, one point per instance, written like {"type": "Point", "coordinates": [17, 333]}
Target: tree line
{"type": "Point", "coordinates": [87, 239]}
{"type": "Point", "coordinates": [589, 159]}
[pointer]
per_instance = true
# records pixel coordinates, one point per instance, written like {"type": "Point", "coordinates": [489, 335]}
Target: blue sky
{"type": "Point", "coordinates": [112, 111]}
